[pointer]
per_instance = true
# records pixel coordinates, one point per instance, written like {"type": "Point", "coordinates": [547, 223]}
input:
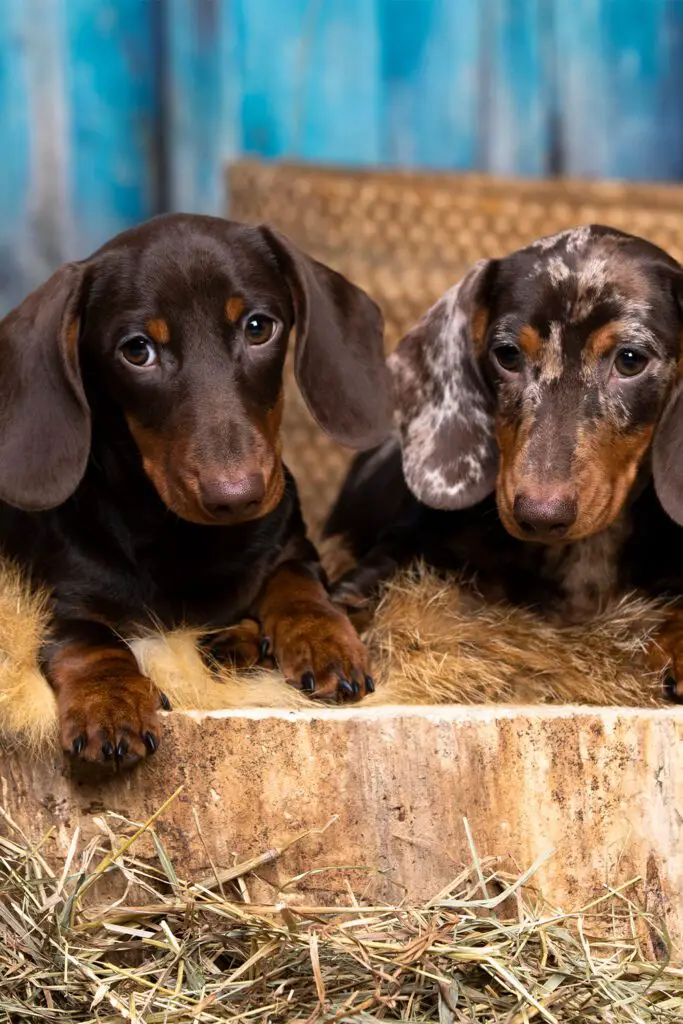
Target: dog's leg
{"type": "Point", "coordinates": [313, 642]}
{"type": "Point", "coordinates": [666, 654]}
{"type": "Point", "coordinates": [243, 646]}
{"type": "Point", "coordinates": [360, 586]}
{"type": "Point", "coordinates": [108, 710]}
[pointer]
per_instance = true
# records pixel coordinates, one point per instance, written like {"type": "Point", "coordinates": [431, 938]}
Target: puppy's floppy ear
{"type": "Point", "coordinates": [339, 359]}
{"type": "Point", "coordinates": [450, 455]}
{"type": "Point", "coordinates": [667, 457]}
{"type": "Point", "coordinates": [44, 415]}
{"type": "Point", "coordinates": [667, 446]}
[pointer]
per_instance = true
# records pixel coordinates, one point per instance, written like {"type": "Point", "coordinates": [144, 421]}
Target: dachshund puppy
{"type": "Point", "coordinates": [540, 435]}
{"type": "Point", "coordinates": [140, 471]}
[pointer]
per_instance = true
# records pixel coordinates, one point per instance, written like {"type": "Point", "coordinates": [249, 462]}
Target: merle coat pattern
{"type": "Point", "coordinates": [539, 441]}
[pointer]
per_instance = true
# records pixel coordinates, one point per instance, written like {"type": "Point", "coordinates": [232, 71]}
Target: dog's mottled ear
{"type": "Point", "coordinates": [339, 359]}
{"type": "Point", "coordinates": [44, 415]}
{"type": "Point", "coordinates": [450, 455]}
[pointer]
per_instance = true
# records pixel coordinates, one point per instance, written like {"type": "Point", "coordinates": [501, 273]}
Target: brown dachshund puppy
{"type": "Point", "coordinates": [140, 470]}
{"type": "Point", "coordinates": [540, 423]}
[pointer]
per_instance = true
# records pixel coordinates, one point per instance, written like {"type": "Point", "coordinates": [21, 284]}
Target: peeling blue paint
{"type": "Point", "coordinates": [111, 110]}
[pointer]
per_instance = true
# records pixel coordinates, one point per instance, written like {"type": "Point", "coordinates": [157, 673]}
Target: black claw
{"type": "Point", "coordinates": [122, 749]}
{"type": "Point", "coordinates": [308, 682]}
{"type": "Point", "coordinates": [346, 687]}
{"type": "Point", "coordinates": [355, 687]}
{"type": "Point", "coordinates": [78, 745]}
{"type": "Point", "coordinates": [107, 750]}
{"type": "Point", "coordinates": [369, 684]}
{"type": "Point", "coordinates": [264, 648]}
{"type": "Point", "coordinates": [151, 742]}
{"type": "Point", "coordinates": [671, 688]}
{"type": "Point", "coordinates": [165, 702]}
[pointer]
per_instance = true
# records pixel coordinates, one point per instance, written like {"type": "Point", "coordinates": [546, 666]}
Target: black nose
{"type": "Point", "coordinates": [226, 497]}
{"type": "Point", "coordinates": [551, 513]}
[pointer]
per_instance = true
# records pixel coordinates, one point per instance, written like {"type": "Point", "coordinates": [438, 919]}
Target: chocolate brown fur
{"type": "Point", "coordinates": [141, 481]}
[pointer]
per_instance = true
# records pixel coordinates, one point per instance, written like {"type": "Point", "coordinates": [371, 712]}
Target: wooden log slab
{"type": "Point", "coordinates": [602, 787]}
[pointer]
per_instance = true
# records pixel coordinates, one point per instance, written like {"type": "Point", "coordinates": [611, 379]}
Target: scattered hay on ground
{"type": "Point", "coordinates": [487, 949]}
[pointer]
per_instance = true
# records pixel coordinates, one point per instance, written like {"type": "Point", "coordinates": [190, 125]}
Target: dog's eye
{"type": "Point", "coordinates": [139, 351]}
{"type": "Point", "coordinates": [629, 362]}
{"type": "Point", "coordinates": [259, 329]}
{"type": "Point", "coordinates": [509, 357]}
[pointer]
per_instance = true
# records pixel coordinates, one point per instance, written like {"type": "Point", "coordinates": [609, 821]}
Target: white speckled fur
{"type": "Point", "coordinates": [433, 369]}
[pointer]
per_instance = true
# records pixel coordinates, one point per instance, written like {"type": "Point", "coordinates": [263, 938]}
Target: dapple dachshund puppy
{"type": "Point", "coordinates": [140, 472]}
{"type": "Point", "coordinates": [540, 436]}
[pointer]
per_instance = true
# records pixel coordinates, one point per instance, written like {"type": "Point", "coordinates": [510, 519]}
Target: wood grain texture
{"type": "Point", "coordinates": [201, 94]}
{"type": "Point", "coordinates": [431, 68]}
{"type": "Point", "coordinates": [601, 788]}
{"type": "Point", "coordinates": [34, 217]}
{"type": "Point", "coordinates": [111, 110]}
{"type": "Point", "coordinates": [520, 88]}
{"type": "Point", "coordinates": [619, 78]}
{"type": "Point", "coordinates": [111, 75]}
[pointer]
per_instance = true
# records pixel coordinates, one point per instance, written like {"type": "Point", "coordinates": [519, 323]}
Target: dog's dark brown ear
{"type": "Point", "coordinates": [450, 455]}
{"type": "Point", "coordinates": [667, 446]}
{"type": "Point", "coordinates": [44, 415]}
{"type": "Point", "coordinates": [667, 457]}
{"type": "Point", "coordinates": [339, 358]}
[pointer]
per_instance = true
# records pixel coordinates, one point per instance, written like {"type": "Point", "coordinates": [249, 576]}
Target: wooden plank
{"type": "Point", "coordinates": [619, 79]}
{"type": "Point", "coordinates": [201, 98]}
{"type": "Point", "coordinates": [14, 144]}
{"type": "Point", "coordinates": [309, 72]}
{"type": "Point", "coordinates": [431, 95]}
{"type": "Point", "coordinates": [33, 208]}
{"type": "Point", "coordinates": [598, 788]}
{"type": "Point", "coordinates": [112, 62]}
{"type": "Point", "coordinates": [518, 125]}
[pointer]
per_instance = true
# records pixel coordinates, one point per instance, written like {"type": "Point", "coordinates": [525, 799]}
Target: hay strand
{"type": "Point", "coordinates": [486, 949]}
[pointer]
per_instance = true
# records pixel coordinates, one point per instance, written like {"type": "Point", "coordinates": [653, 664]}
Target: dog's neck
{"type": "Point", "coordinates": [587, 572]}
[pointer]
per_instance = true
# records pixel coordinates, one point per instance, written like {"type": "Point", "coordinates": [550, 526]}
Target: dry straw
{"type": "Point", "coordinates": [485, 949]}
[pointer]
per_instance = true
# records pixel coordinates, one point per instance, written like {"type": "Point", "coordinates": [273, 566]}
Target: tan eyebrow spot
{"type": "Point", "coordinates": [600, 342]}
{"type": "Point", "coordinates": [158, 331]}
{"type": "Point", "coordinates": [529, 341]}
{"type": "Point", "coordinates": [234, 308]}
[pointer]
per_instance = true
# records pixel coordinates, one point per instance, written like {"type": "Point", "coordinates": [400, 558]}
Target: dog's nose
{"type": "Point", "coordinates": [550, 513]}
{"type": "Point", "coordinates": [224, 497]}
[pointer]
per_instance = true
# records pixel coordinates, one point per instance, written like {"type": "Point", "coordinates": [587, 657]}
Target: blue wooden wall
{"type": "Point", "coordinates": [111, 110]}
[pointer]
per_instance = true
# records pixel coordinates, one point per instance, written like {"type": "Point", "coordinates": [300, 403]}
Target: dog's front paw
{"type": "Point", "coordinates": [320, 653]}
{"type": "Point", "coordinates": [112, 720]}
{"type": "Point", "coordinates": [665, 655]}
{"type": "Point", "coordinates": [243, 646]}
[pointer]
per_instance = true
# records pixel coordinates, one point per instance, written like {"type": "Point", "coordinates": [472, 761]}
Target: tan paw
{"type": "Point", "coordinates": [113, 720]}
{"type": "Point", "coordinates": [320, 653]}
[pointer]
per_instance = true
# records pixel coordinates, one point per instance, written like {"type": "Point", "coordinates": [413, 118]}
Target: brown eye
{"type": "Point", "coordinates": [509, 357]}
{"type": "Point", "coordinates": [259, 329]}
{"type": "Point", "coordinates": [629, 362]}
{"type": "Point", "coordinates": [139, 351]}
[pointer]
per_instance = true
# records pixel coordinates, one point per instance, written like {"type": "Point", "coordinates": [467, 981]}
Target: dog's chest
{"type": "Point", "coordinates": [586, 574]}
{"type": "Point", "coordinates": [192, 586]}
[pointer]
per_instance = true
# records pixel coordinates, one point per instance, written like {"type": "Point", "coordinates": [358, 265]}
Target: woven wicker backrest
{"type": "Point", "coordinates": [406, 238]}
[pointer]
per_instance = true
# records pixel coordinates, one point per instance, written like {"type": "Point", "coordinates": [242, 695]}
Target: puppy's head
{"type": "Point", "coordinates": [548, 376]}
{"type": "Point", "coordinates": [181, 327]}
